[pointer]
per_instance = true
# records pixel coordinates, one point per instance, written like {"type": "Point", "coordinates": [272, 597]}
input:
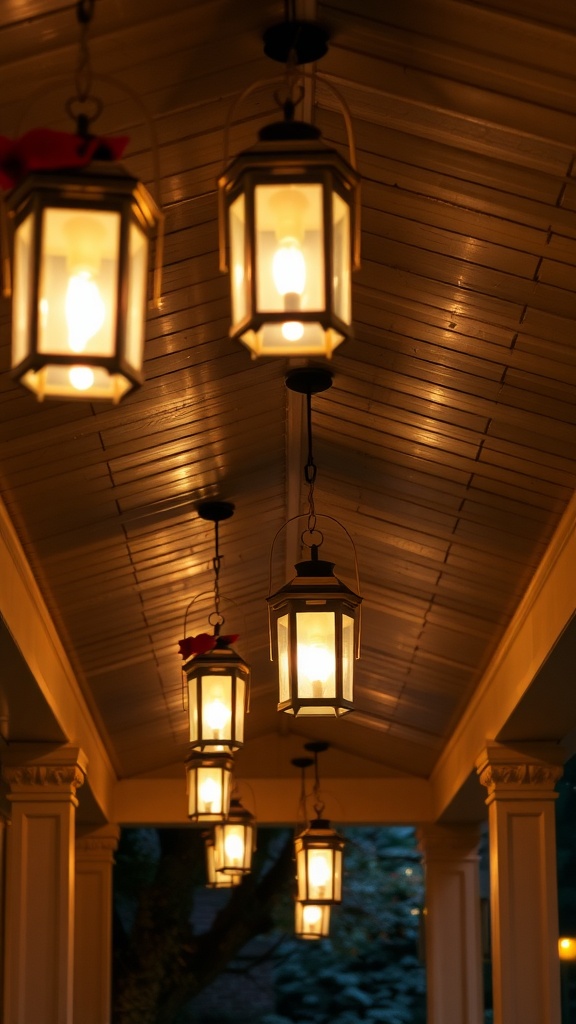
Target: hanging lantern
{"type": "Point", "coordinates": [311, 920]}
{"type": "Point", "coordinates": [313, 624]}
{"type": "Point", "coordinates": [315, 618]}
{"type": "Point", "coordinates": [319, 863]}
{"type": "Point", "coordinates": [289, 220]}
{"type": "Point", "coordinates": [217, 690]}
{"type": "Point", "coordinates": [81, 227]}
{"type": "Point", "coordinates": [208, 778]}
{"type": "Point", "coordinates": [218, 679]}
{"type": "Point", "coordinates": [217, 879]}
{"type": "Point", "coordinates": [235, 841]}
{"type": "Point", "coordinates": [80, 270]}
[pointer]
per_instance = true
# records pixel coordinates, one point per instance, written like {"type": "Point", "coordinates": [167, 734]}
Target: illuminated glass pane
{"type": "Point", "coordinates": [316, 654]}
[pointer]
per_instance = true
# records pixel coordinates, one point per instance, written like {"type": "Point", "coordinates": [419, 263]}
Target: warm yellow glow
{"type": "Point", "coordinates": [311, 915]}
{"type": "Point", "coordinates": [292, 330]}
{"type": "Point", "coordinates": [81, 377]}
{"type": "Point", "coordinates": [210, 795]}
{"type": "Point", "coordinates": [316, 665]}
{"type": "Point", "coordinates": [85, 310]}
{"type": "Point", "coordinates": [567, 948]}
{"type": "Point", "coordinates": [289, 268]}
{"type": "Point", "coordinates": [319, 872]}
{"type": "Point", "coordinates": [217, 716]}
{"type": "Point", "coordinates": [234, 848]}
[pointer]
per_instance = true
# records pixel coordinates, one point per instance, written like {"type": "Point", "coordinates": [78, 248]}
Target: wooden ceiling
{"type": "Point", "coordinates": [447, 442]}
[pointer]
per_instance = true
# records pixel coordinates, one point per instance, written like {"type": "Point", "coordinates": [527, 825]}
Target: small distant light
{"type": "Point", "coordinates": [415, 912]}
{"type": "Point", "coordinates": [408, 871]}
{"type": "Point", "coordinates": [567, 948]}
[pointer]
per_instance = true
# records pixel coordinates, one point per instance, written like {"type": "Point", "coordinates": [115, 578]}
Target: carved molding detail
{"type": "Point", "coordinates": [97, 844]}
{"type": "Point", "coordinates": [68, 777]}
{"type": "Point", "coordinates": [543, 775]}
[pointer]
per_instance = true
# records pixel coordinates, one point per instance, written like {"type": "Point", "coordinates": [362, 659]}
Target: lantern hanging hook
{"type": "Point", "coordinates": [215, 512]}
{"type": "Point", "coordinates": [317, 747]}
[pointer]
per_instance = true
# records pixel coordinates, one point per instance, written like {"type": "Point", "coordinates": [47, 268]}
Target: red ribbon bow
{"type": "Point", "coordinates": [42, 149]}
{"type": "Point", "coordinates": [203, 643]}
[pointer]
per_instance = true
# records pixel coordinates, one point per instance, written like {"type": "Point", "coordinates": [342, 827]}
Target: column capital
{"type": "Point", "coordinates": [446, 842]}
{"type": "Point", "coordinates": [99, 844]}
{"type": "Point", "coordinates": [43, 769]}
{"type": "Point", "coordinates": [524, 770]}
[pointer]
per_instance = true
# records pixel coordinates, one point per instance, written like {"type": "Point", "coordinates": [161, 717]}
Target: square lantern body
{"type": "Point", "coordinates": [311, 920]}
{"type": "Point", "coordinates": [217, 691]}
{"type": "Point", "coordinates": [289, 207]}
{"type": "Point", "coordinates": [318, 852]}
{"type": "Point", "coordinates": [80, 280]}
{"type": "Point", "coordinates": [314, 635]}
{"type": "Point", "coordinates": [235, 841]}
{"type": "Point", "coordinates": [217, 879]}
{"type": "Point", "coordinates": [208, 777]}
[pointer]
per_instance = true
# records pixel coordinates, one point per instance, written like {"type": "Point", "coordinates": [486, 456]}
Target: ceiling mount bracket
{"type": "Point", "coordinates": [303, 42]}
{"type": "Point", "coordinates": [215, 511]}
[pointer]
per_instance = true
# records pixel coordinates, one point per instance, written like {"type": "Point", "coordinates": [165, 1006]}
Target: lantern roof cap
{"type": "Point", "coordinates": [288, 130]}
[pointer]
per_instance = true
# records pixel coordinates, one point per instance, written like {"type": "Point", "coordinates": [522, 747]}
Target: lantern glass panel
{"type": "Point", "coordinates": [289, 240]}
{"type": "Point", "coordinates": [237, 227]}
{"type": "Point", "coordinates": [316, 654]}
{"type": "Point", "coordinates": [208, 792]}
{"type": "Point", "coordinates": [347, 657]}
{"type": "Point", "coordinates": [283, 658]}
{"type": "Point", "coordinates": [341, 279]}
{"type": "Point", "coordinates": [136, 299]}
{"type": "Point", "coordinates": [78, 277]}
{"type": "Point", "coordinates": [216, 707]}
{"type": "Point", "coordinates": [312, 921]}
{"type": "Point", "coordinates": [320, 874]}
{"type": "Point", "coordinates": [233, 847]}
{"type": "Point", "coordinates": [22, 288]}
{"type": "Point", "coordinates": [239, 710]}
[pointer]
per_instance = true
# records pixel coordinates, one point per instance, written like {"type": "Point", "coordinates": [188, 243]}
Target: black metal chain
{"type": "Point", "coordinates": [310, 469]}
{"type": "Point", "coordinates": [84, 107]}
{"type": "Point", "coordinates": [217, 619]}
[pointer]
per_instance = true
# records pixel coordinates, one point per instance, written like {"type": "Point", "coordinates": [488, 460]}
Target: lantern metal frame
{"type": "Point", "coordinates": [215, 768]}
{"type": "Point", "coordinates": [217, 879]}
{"type": "Point", "coordinates": [112, 211]}
{"type": "Point", "coordinates": [239, 825]}
{"type": "Point", "coordinates": [311, 920]}
{"type": "Point", "coordinates": [319, 851]}
{"type": "Point", "coordinates": [290, 156]}
{"type": "Point", "coordinates": [220, 670]}
{"type": "Point", "coordinates": [103, 188]}
{"type": "Point", "coordinates": [313, 595]}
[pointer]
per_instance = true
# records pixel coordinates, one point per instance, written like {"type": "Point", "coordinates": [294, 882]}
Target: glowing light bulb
{"type": "Point", "coordinates": [81, 377]}
{"type": "Point", "coordinates": [289, 268]}
{"type": "Point", "coordinates": [217, 716]}
{"type": "Point", "coordinates": [319, 872]}
{"type": "Point", "coordinates": [210, 794]}
{"type": "Point", "coordinates": [84, 309]}
{"type": "Point", "coordinates": [234, 848]}
{"type": "Point", "coordinates": [311, 915]}
{"type": "Point", "coordinates": [316, 665]}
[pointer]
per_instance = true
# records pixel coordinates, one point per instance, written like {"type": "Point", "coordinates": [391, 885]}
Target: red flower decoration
{"type": "Point", "coordinates": [45, 150]}
{"type": "Point", "coordinates": [203, 643]}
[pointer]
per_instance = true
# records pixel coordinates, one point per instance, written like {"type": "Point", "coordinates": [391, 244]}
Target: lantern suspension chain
{"type": "Point", "coordinates": [318, 802]}
{"type": "Point", "coordinates": [310, 469]}
{"type": "Point", "coordinates": [216, 618]}
{"type": "Point", "coordinates": [84, 107]}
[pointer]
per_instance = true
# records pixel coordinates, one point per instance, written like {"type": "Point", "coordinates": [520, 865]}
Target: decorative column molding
{"type": "Point", "coordinates": [43, 781]}
{"type": "Point", "coordinates": [452, 924]}
{"type": "Point", "coordinates": [93, 930]}
{"type": "Point", "coordinates": [523, 889]}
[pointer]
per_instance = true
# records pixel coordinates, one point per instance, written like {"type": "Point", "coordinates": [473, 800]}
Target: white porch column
{"type": "Point", "coordinates": [40, 882]}
{"type": "Point", "coordinates": [452, 924]}
{"type": "Point", "coordinates": [93, 925]}
{"type": "Point", "coordinates": [523, 887]}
